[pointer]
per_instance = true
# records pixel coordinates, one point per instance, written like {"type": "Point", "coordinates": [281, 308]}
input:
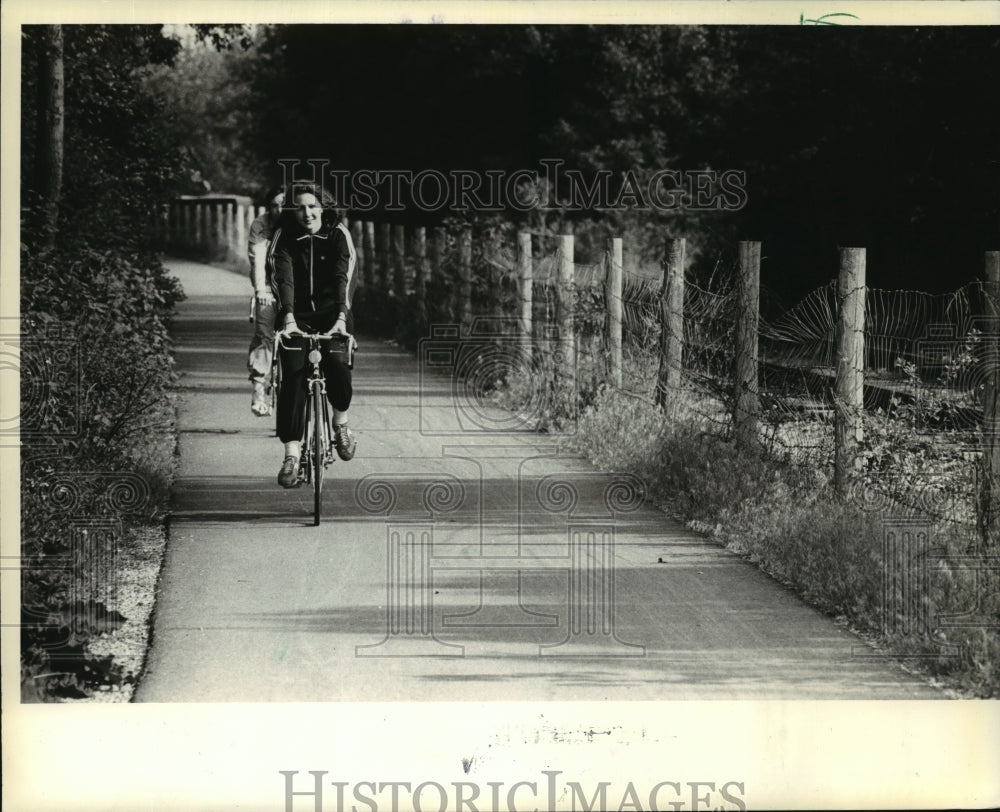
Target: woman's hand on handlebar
{"type": "Point", "coordinates": [339, 327]}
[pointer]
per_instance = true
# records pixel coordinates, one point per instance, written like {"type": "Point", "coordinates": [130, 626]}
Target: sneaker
{"type": "Point", "coordinates": [288, 476]}
{"type": "Point", "coordinates": [343, 438]}
{"type": "Point", "coordinates": [260, 404]}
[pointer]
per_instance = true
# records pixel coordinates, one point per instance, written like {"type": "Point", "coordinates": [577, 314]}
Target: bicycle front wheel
{"type": "Point", "coordinates": [318, 451]}
{"type": "Point", "coordinates": [275, 386]}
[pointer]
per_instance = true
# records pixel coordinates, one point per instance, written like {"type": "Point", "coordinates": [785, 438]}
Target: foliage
{"type": "Point", "coordinates": [96, 388]}
{"type": "Point", "coordinates": [915, 453]}
{"type": "Point", "coordinates": [207, 91]}
{"type": "Point", "coordinates": [787, 519]}
{"type": "Point", "coordinates": [120, 162]}
{"type": "Point", "coordinates": [224, 36]}
{"type": "Point", "coordinates": [812, 116]}
{"type": "Point", "coordinates": [97, 421]}
{"type": "Point", "coordinates": [55, 661]}
{"type": "Point", "coordinates": [120, 342]}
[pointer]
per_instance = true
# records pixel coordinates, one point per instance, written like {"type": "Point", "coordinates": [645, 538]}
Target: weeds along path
{"type": "Point", "coordinates": [458, 562]}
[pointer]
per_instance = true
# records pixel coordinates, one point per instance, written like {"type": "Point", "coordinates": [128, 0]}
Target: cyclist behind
{"type": "Point", "coordinates": [314, 263]}
{"type": "Point", "coordinates": [260, 247]}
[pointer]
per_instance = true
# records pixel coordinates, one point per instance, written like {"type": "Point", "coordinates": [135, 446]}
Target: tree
{"type": "Point", "coordinates": [878, 136]}
{"type": "Point", "coordinates": [97, 141]}
{"type": "Point", "coordinates": [207, 91]}
{"type": "Point", "coordinates": [118, 162]}
{"type": "Point", "coordinates": [50, 113]}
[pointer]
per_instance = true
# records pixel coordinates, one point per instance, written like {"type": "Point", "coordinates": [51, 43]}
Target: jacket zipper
{"type": "Point", "coordinates": [312, 301]}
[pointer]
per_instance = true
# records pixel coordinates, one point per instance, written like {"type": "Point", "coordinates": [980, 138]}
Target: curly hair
{"type": "Point", "coordinates": [270, 195]}
{"type": "Point", "coordinates": [331, 211]}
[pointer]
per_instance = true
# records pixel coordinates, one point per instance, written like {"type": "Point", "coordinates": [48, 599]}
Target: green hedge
{"type": "Point", "coordinates": [98, 440]}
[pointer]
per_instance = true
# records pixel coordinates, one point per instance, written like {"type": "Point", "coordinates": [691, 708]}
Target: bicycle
{"type": "Point", "coordinates": [317, 433]}
{"type": "Point", "coordinates": [274, 385]}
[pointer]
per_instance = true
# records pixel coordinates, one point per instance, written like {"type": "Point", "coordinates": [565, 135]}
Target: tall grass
{"type": "Point", "coordinates": [785, 517]}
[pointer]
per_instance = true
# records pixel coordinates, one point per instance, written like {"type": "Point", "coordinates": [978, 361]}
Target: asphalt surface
{"type": "Point", "coordinates": [460, 557]}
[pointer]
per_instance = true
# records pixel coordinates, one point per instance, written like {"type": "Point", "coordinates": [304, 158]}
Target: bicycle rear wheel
{"type": "Point", "coordinates": [318, 451]}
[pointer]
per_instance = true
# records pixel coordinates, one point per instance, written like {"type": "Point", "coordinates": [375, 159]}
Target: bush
{"type": "Point", "coordinates": [98, 442]}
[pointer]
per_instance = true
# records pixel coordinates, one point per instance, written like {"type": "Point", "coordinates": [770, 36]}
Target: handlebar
{"type": "Point", "coordinates": [352, 343]}
{"type": "Point", "coordinates": [281, 334]}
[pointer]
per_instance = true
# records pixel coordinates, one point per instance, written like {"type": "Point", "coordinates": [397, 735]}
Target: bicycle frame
{"type": "Point", "coordinates": [317, 435]}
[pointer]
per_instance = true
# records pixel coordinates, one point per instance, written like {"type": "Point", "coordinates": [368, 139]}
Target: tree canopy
{"type": "Point", "coordinates": [881, 137]}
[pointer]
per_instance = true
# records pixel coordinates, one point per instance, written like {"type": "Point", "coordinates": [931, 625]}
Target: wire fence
{"type": "Point", "coordinates": [903, 399]}
{"type": "Point", "coordinates": [926, 362]}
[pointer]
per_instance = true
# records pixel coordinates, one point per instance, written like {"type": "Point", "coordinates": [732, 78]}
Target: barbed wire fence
{"type": "Point", "coordinates": [894, 392]}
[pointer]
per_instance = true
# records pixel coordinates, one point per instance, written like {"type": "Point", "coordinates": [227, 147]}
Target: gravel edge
{"type": "Point", "coordinates": [139, 562]}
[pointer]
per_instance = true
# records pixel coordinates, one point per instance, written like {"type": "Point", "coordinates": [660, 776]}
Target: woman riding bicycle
{"type": "Point", "coordinates": [314, 263]}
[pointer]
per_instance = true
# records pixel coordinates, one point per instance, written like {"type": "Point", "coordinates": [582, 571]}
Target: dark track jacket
{"type": "Point", "coordinates": [314, 274]}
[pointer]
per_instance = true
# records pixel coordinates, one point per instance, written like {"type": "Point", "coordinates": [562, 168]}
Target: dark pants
{"type": "Point", "coordinates": [295, 370]}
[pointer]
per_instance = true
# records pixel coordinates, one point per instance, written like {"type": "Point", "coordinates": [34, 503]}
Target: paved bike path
{"type": "Point", "coordinates": [454, 562]}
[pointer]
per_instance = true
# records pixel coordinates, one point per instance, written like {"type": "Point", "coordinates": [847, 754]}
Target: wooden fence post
{"type": "Point", "coordinates": [441, 306]}
{"type": "Point", "coordinates": [420, 280]}
{"type": "Point", "coordinates": [398, 251]}
{"type": "Point", "coordinates": [173, 223]}
{"type": "Point", "coordinates": [212, 233]}
{"type": "Point", "coordinates": [525, 287]}
{"type": "Point", "coordinates": [209, 245]}
{"type": "Point", "coordinates": [465, 279]}
{"type": "Point", "coordinates": [849, 384]}
{"type": "Point", "coordinates": [371, 270]}
{"type": "Point", "coordinates": [186, 232]}
{"type": "Point", "coordinates": [508, 305]}
{"type": "Point", "coordinates": [989, 486]}
{"type": "Point", "coordinates": [200, 210]}
{"type": "Point", "coordinates": [219, 232]}
{"type": "Point", "coordinates": [613, 296]}
{"type": "Point", "coordinates": [228, 228]}
{"type": "Point", "coordinates": [357, 238]}
{"type": "Point", "coordinates": [746, 404]}
{"type": "Point", "coordinates": [198, 233]}
{"type": "Point", "coordinates": [168, 224]}
{"type": "Point", "coordinates": [240, 237]}
{"type": "Point", "coordinates": [236, 246]}
{"type": "Point", "coordinates": [382, 250]}
{"type": "Point", "coordinates": [668, 381]}
{"type": "Point", "coordinates": [567, 329]}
